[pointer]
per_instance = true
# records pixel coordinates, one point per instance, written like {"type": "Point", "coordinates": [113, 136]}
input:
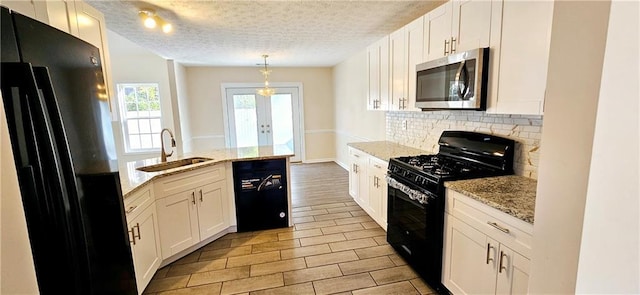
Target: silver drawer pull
{"type": "Point", "coordinates": [502, 229]}
{"type": "Point", "coordinates": [377, 166]}
{"type": "Point", "coordinates": [131, 209]}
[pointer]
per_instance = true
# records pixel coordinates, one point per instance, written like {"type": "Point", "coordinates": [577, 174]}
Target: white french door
{"type": "Point", "coordinates": [255, 120]}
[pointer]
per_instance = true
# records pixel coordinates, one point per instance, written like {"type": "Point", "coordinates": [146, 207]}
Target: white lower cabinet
{"type": "Point", "coordinates": [144, 235]}
{"type": "Point", "coordinates": [192, 207]}
{"type": "Point", "coordinates": [367, 184]}
{"type": "Point", "coordinates": [484, 253]}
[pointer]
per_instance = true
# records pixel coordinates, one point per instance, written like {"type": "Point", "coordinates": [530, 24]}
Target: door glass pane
{"type": "Point", "coordinates": [246, 120]}
{"type": "Point", "coordinates": [282, 120]}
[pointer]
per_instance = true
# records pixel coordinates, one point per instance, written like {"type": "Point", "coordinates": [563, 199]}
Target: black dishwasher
{"type": "Point", "coordinates": [261, 194]}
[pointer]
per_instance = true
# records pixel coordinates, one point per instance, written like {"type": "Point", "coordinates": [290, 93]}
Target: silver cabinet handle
{"type": "Point", "coordinates": [193, 197]}
{"type": "Point", "coordinates": [131, 209]}
{"type": "Point", "coordinates": [375, 181]}
{"type": "Point", "coordinates": [502, 267]}
{"type": "Point", "coordinates": [133, 235]}
{"type": "Point", "coordinates": [138, 227]}
{"type": "Point", "coordinates": [446, 42]}
{"type": "Point", "coordinates": [489, 247]}
{"type": "Point", "coordinates": [201, 196]}
{"type": "Point", "coordinates": [377, 166]}
{"type": "Point", "coordinates": [502, 229]}
{"type": "Point", "coordinates": [453, 43]}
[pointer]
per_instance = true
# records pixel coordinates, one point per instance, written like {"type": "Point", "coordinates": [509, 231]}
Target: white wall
{"type": "Point", "coordinates": [573, 87]}
{"type": "Point", "coordinates": [182, 118]}
{"type": "Point", "coordinates": [610, 247]}
{"type": "Point", "coordinates": [205, 111]}
{"type": "Point", "coordinates": [17, 273]}
{"type": "Point", "coordinates": [131, 63]}
{"type": "Point", "coordinates": [352, 120]}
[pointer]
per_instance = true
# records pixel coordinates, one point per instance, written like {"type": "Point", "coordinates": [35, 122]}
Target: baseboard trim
{"type": "Point", "coordinates": [343, 165]}
{"type": "Point", "coordinates": [312, 161]}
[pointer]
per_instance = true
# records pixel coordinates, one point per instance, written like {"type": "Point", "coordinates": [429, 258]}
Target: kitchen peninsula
{"type": "Point", "coordinates": [173, 212]}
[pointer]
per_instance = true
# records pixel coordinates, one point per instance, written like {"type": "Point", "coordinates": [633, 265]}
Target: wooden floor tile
{"type": "Point", "coordinates": [252, 284]}
{"type": "Point", "coordinates": [210, 289]}
{"type": "Point", "coordinates": [312, 274]}
{"type": "Point", "coordinates": [391, 275]}
{"type": "Point", "coordinates": [365, 265]}
{"type": "Point", "coordinates": [344, 283]}
{"type": "Point", "coordinates": [277, 266]}
{"type": "Point", "coordinates": [305, 251]}
{"type": "Point", "coordinates": [253, 259]}
{"type": "Point", "coordinates": [404, 288]}
{"type": "Point", "coordinates": [331, 258]}
{"type": "Point", "coordinates": [216, 276]}
{"type": "Point", "coordinates": [322, 239]}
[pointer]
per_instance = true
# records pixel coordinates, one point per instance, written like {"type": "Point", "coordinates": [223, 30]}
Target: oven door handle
{"type": "Point", "coordinates": [415, 195]}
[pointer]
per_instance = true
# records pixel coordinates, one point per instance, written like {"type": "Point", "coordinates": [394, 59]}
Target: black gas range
{"type": "Point", "coordinates": [416, 194]}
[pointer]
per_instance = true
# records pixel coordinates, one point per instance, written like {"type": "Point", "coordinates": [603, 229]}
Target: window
{"type": "Point", "coordinates": [141, 116]}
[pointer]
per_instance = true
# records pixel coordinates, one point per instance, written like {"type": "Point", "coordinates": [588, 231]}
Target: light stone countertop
{"type": "Point", "coordinates": [514, 195]}
{"type": "Point", "coordinates": [132, 179]}
{"type": "Point", "coordinates": [384, 150]}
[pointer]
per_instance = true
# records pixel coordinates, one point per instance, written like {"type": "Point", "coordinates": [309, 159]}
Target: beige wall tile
{"type": "Point", "coordinates": [257, 239]}
{"type": "Point", "coordinates": [352, 220]}
{"type": "Point", "coordinates": [210, 289]}
{"type": "Point", "coordinates": [253, 259]}
{"type": "Point", "coordinates": [299, 289]}
{"type": "Point", "coordinates": [277, 266]}
{"type": "Point", "coordinates": [422, 287]}
{"type": "Point", "coordinates": [222, 275]}
{"type": "Point", "coordinates": [404, 288]}
{"type": "Point", "coordinates": [272, 246]}
{"type": "Point", "coordinates": [189, 268]}
{"type": "Point", "coordinates": [322, 239]}
{"type": "Point", "coordinates": [352, 244]}
{"type": "Point", "coordinates": [300, 234]}
{"type": "Point", "coordinates": [391, 275]}
{"type": "Point", "coordinates": [342, 228]}
{"type": "Point", "coordinates": [305, 251]}
{"type": "Point", "coordinates": [377, 232]}
{"type": "Point", "coordinates": [222, 253]}
{"type": "Point", "coordinates": [312, 274]}
{"type": "Point", "coordinates": [324, 259]}
{"type": "Point", "coordinates": [345, 283]}
{"type": "Point", "coordinates": [365, 265]}
{"type": "Point", "coordinates": [169, 283]}
{"type": "Point", "coordinates": [252, 284]}
{"type": "Point", "coordinates": [316, 224]}
{"type": "Point", "coordinates": [375, 251]}
{"type": "Point", "coordinates": [332, 216]}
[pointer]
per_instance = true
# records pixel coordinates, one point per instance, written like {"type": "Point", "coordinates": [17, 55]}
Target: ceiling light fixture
{"type": "Point", "coordinates": [151, 20]}
{"type": "Point", "coordinates": [266, 90]}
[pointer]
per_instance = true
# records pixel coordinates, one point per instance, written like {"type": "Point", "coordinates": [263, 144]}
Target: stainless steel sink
{"type": "Point", "coordinates": [173, 164]}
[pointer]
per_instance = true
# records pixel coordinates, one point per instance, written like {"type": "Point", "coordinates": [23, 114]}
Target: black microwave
{"type": "Point", "coordinates": [457, 81]}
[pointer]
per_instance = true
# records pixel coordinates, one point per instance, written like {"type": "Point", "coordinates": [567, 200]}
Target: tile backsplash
{"type": "Point", "coordinates": [423, 129]}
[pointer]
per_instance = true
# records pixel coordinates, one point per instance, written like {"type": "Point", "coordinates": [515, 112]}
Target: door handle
{"type": "Point", "coordinates": [446, 42]}
{"type": "Point", "coordinates": [502, 267]}
{"type": "Point", "coordinates": [453, 43]}
{"type": "Point", "coordinates": [489, 247]}
{"type": "Point", "coordinates": [201, 196]}
{"type": "Point", "coordinates": [193, 198]}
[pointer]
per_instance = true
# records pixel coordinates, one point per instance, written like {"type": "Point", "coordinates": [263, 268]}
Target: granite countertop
{"type": "Point", "coordinates": [384, 150]}
{"type": "Point", "coordinates": [514, 195]}
{"type": "Point", "coordinates": [132, 179]}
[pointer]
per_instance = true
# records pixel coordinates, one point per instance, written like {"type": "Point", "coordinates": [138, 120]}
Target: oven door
{"type": "Point", "coordinates": [457, 81]}
{"type": "Point", "coordinates": [416, 230]}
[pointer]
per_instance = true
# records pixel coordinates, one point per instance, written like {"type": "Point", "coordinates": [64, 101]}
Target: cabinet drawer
{"type": "Point", "coordinates": [135, 204]}
{"type": "Point", "coordinates": [188, 180]}
{"type": "Point", "coordinates": [377, 165]}
{"type": "Point", "coordinates": [506, 229]}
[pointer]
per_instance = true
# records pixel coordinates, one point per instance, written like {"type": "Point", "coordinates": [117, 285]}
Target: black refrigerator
{"type": "Point", "coordinates": [58, 115]}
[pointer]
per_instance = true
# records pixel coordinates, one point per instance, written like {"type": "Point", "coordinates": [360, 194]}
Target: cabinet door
{"type": "Point", "coordinates": [471, 24]}
{"type": "Point", "coordinates": [398, 69]}
{"type": "Point", "coordinates": [62, 15]}
{"type": "Point", "coordinates": [470, 259]}
{"type": "Point", "coordinates": [523, 58]}
{"type": "Point", "coordinates": [34, 9]}
{"type": "Point", "coordinates": [212, 213]}
{"type": "Point", "coordinates": [378, 74]}
{"type": "Point", "coordinates": [513, 272]}
{"type": "Point", "coordinates": [377, 191]}
{"type": "Point", "coordinates": [146, 250]}
{"type": "Point", "coordinates": [415, 55]}
{"type": "Point", "coordinates": [437, 32]}
{"type": "Point", "coordinates": [178, 221]}
{"type": "Point", "coordinates": [354, 173]}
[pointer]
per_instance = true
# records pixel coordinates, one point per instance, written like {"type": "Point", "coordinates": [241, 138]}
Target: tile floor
{"type": "Point", "coordinates": [334, 247]}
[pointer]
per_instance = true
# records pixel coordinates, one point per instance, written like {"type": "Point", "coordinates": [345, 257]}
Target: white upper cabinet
{"type": "Point", "coordinates": [62, 15]}
{"type": "Point", "coordinates": [520, 57]}
{"type": "Point", "coordinates": [437, 32]}
{"type": "Point", "coordinates": [406, 46]}
{"type": "Point", "coordinates": [471, 24]}
{"type": "Point", "coordinates": [378, 75]}
{"type": "Point", "coordinates": [34, 9]}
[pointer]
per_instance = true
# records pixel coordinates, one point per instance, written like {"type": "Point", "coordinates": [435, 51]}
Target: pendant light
{"type": "Point", "coordinates": [266, 90]}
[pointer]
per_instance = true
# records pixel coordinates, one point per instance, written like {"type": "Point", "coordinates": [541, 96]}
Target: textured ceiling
{"type": "Point", "coordinates": [237, 33]}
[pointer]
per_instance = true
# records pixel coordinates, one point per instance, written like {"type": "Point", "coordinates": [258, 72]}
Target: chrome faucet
{"type": "Point", "coordinates": [163, 154]}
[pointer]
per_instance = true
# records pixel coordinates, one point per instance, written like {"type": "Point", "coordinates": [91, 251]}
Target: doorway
{"type": "Point", "coordinates": [255, 120]}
